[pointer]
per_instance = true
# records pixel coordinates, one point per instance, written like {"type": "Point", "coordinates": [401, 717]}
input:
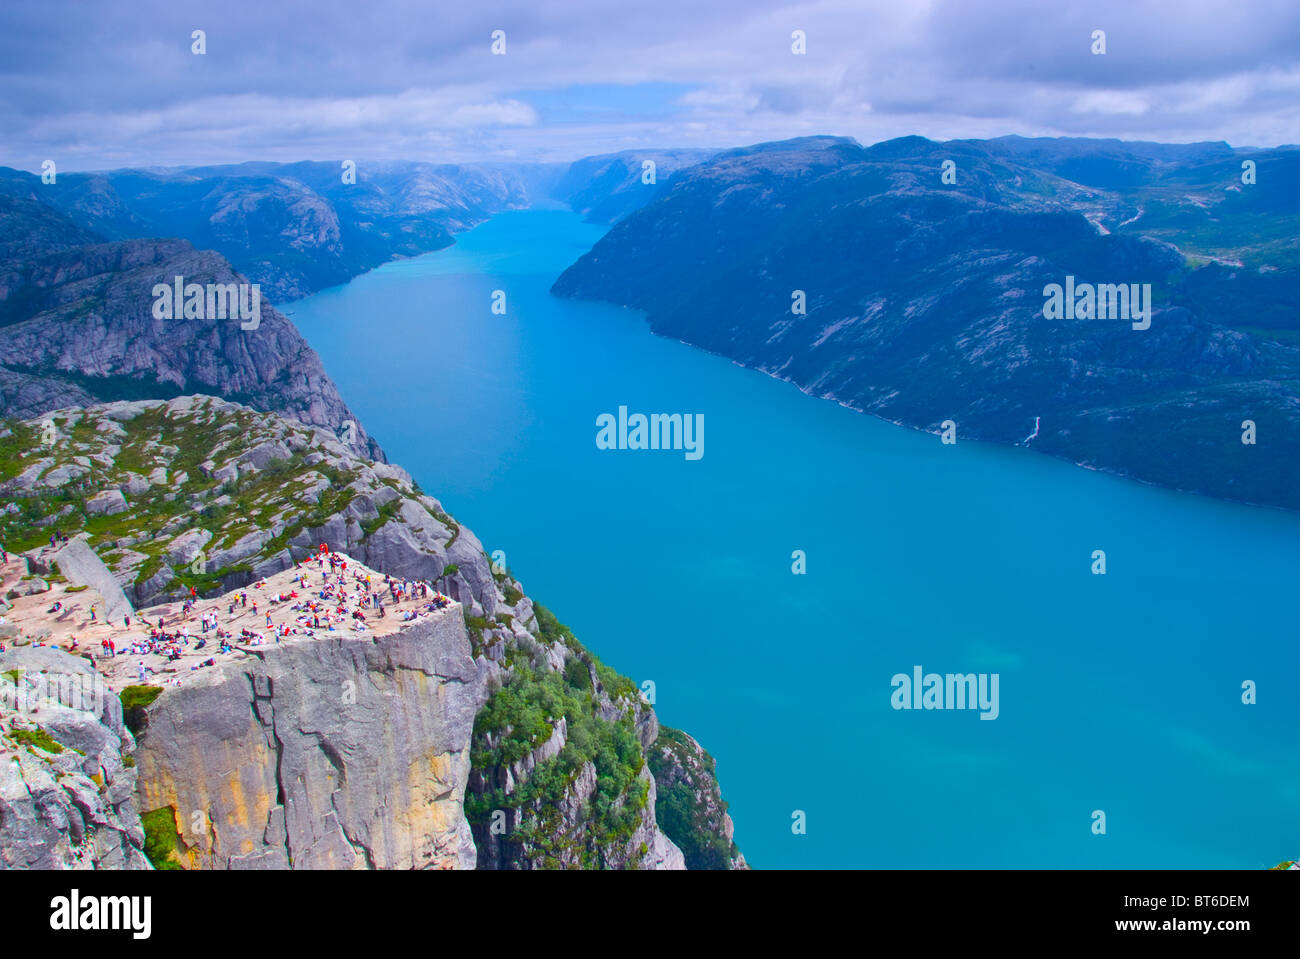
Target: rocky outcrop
{"type": "Point", "coordinates": [67, 776]}
{"type": "Point", "coordinates": [264, 765]}
{"type": "Point", "coordinates": [318, 487]}
{"type": "Point", "coordinates": [321, 754]}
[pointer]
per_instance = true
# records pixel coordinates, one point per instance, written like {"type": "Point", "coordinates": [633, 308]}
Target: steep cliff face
{"type": "Point", "coordinates": [559, 777]}
{"type": "Point", "coordinates": [67, 776]}
{"type": "Point", "coordinates": [330, 753]}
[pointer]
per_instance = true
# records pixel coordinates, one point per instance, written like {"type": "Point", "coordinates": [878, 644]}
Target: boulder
{"type": "Point", "coordinates": [134, 484]}
{"type": "Point", "coordinates": [106, 502]}
{"type": "Point", "coordinates": [63, 475]}
{"type": "Point", "coordinates": [260, 456]}
{"type": "Point", "coordinates": [79, 564]}
{"type": "Point", "coordinates": [183, 550]}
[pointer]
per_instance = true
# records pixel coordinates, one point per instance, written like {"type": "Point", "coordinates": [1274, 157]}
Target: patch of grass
{"type": "Point", "coordinates": [386, 512]}
{"type": "Point", "coordinates": [450, 523]}
{"type": "Point", "coordinates": [38, 738]}
{"type": "Point", "coordinates": [475, 625]}
{"type": "Point", "coordinates": [18, 441]}
{"type": "Point", "coordinates": [161, 838]}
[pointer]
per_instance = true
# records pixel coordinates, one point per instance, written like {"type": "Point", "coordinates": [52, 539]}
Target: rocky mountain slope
{"type": "Point", "coordinates": [202, 493]}
{"type": "Point", "coordinates": [924, 299]}
{"type": "Point", "coordinates": [78, 325]}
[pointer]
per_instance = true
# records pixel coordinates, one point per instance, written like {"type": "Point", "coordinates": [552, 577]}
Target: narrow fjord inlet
{"type": "Point", "coordinates": [1118, 692]}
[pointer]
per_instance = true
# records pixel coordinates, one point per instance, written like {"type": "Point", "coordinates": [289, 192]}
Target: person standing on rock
{"type": "Point", "coordinates": [139, 670]}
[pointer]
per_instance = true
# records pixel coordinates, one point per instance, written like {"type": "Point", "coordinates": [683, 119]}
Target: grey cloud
{"type": "Point", "coordinates": [102, 85]}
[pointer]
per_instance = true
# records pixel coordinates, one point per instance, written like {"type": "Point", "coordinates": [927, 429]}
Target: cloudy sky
{"type": "Point", "coordinates": [111, 84]}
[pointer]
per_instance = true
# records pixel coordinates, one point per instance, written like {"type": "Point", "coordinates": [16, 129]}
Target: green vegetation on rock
{"type": "Point", "coordinates": [690, 807]}
{"type": "Point", "coordinates": [38, 738]}
{"type": "Point", "coordinates": [134, 701]}
{"type": "Point", "coordinates": [161, 838]}
{"type": "Point", "coordinates": [521, 717]}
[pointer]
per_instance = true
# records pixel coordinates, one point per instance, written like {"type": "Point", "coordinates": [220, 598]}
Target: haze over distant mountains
{"type": "Point", "coordinates": [296, 228]}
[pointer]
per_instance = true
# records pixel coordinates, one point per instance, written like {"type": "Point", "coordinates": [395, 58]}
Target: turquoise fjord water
{"type": "Point", "coordinates": [1119, 692]}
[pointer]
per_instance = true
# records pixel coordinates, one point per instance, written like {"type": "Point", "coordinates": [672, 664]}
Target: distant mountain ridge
{"type": "Point", "coordinates": [293, 228]}
{"type": "Point", "coordinates": [296, 228]}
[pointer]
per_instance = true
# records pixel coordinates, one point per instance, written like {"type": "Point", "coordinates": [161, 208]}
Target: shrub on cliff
{"type": "Point", "coordinates": [134, 700]}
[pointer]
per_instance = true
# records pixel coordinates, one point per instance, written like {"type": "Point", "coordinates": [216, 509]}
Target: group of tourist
{"type": "Point", "coordinates": [327, 597]}
{"type": "Point", "coordinates": [335, 600]}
